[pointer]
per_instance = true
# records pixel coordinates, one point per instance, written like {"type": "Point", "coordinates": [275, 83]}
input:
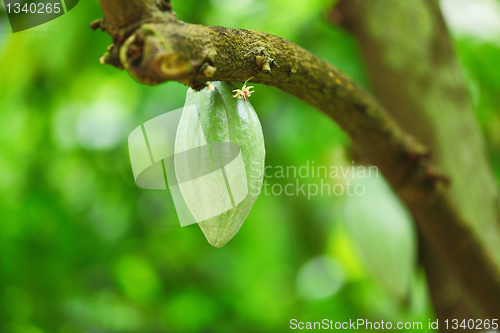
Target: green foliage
{"type": "Point", "coordinates": [480, 59]}
{"type": "Point", "coordinates": [83, 249]}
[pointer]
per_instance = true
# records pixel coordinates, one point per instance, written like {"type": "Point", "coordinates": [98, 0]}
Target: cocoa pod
{"type": "Point", "coordinates": [222, 179]}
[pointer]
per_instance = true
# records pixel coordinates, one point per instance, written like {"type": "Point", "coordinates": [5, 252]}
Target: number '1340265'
{"type": "Point", "coordinates": [33, 8]}
{"type": "Point", "coordinates": [472, 324]}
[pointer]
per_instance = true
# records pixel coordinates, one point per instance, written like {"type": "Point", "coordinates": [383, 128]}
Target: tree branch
{"type": "Point", "coordinates": [154, 47]}
{"type": "Point", "coordinates": [422, 85]}
{"type": "Point", "coordinates": [116, 18]}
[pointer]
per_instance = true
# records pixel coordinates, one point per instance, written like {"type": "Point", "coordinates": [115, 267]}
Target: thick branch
{"type": "Point", "coordinates": [163, 49]}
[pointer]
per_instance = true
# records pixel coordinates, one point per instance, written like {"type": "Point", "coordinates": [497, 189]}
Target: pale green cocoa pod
{"type": "Point", "coordinates": [219, 160]}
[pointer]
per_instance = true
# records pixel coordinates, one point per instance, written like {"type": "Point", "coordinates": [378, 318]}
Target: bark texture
{"type": "Point", "coordinates": [159, 48]}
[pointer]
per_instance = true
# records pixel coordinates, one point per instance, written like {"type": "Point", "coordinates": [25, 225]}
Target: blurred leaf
{"type": "Point", "coordinates": [383, 231]}
{"type": "Point", "coordinates": [137, 278]}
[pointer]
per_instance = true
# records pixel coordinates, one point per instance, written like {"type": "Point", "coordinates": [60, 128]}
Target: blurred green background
{"type": "Point", "coordinates": [83, 249]}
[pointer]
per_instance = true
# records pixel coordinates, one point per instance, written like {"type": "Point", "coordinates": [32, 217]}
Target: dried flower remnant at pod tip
{"type": "Point", "coordinates": [244, 92]}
